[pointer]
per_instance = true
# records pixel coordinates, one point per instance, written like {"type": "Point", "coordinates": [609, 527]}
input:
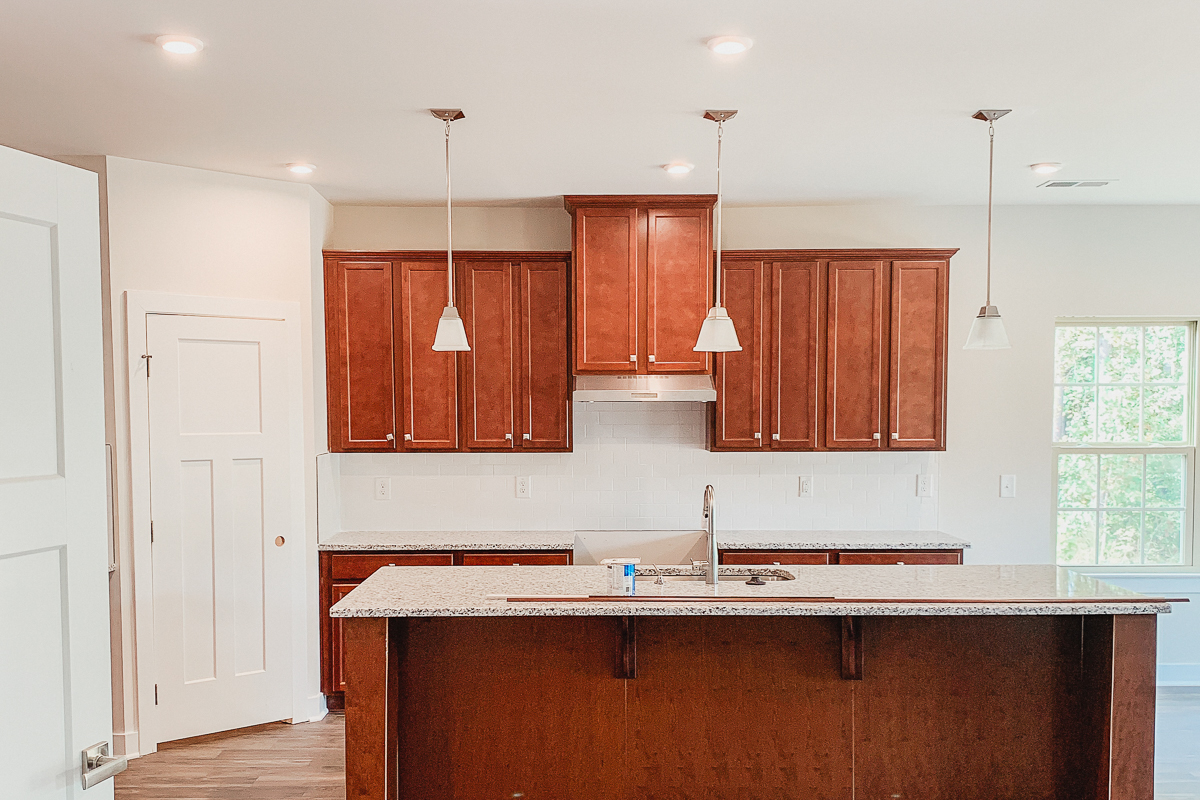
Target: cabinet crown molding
{"type": "Point", "coordinates": [574, 201]}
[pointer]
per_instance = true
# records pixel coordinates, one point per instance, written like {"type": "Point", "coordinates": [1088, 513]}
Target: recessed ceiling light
{"type": "Point", "coordinates": [1046, 167]}
{"type": "Point", "coordinates": [729, 45]}
{"type": "Point", "coordinates": [180, 45]}
{"type": "Point", "coordinates": [301, 169]}
{"type": "Point", "coordinates": [679, 167]}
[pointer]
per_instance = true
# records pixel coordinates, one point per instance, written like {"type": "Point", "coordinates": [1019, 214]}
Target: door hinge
{"type": "Point", "coordinates": [156, 694]}
{"type": "Point", "coordinates": [151, 531]}
{"type": "Point", "coordinates": [147, 357]}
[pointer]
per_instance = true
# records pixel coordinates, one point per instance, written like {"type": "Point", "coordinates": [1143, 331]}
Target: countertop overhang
{"type": "Point", "coordinates": [942, 590]}
{"type": "Point", "coordinates": [350, 541]}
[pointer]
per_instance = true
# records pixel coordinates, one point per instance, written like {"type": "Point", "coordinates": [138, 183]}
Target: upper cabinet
{"type": "Point", "coordinates": [643, 282]}
{"type": "Point", "coordinates": [842, 350]}
{"type": "Point", "coordinates": [387, 388]}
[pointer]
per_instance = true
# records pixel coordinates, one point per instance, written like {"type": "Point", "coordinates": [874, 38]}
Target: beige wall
{"type": "Point", "coordinates": [424, 228]}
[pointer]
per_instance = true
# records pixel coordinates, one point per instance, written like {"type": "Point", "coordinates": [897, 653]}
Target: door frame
{"type": "Point", "coordinates": [138, 306]}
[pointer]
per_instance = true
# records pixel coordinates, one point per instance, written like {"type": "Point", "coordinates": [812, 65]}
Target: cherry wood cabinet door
{"type": "Point", "coordinates": [678, 287]}
{"type": "Point", "coordinates": [781, 557]}
{"type": "Point", "coordinates": [739, 411]}
{"type": "Point", "coordinates": [360, 354]}
{"type": "Point", "coordinates": [428, 394]}
{"type": "Point", "coordinates": [545, 366]}
{"type": "Point", "coordinates": [854, 355]}
{"type": "Point", "coordinates": [487, 302]}
{"type": "Point", "coordinates": [337, 640]}
{"type": "Point", "coordinates": [796, 327]}
{"type": "Point", "coordinates": [518, 559]}
{"type": "Point", "coordinates": [883, 557]}
{"type": "Point", "coordinates": [606, 290]}
{"type": "Point", "coordinates": [916, 417]}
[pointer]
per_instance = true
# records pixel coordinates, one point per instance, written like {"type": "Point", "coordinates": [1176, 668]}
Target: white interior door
{"type": "Point", "coordinates": [54, 654]}
{"type": "Point", "coordinates": [220, 500]}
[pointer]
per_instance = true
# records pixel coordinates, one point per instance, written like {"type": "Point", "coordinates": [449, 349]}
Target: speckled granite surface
{"type": "Point", "coordinates": [838, 540]}
{"type": "Point", "coordinates": [449, 540]}
{"type": "Point", "coordinates": [859, 590]}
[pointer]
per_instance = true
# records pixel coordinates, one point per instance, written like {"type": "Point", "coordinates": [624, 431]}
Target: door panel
{"type": "Point", "coordinates": [489, 381]}
{"type": "Point", "coordinates": [338, 639]}
{"type": "Point", "coordinates": [885, 557]}
{"type": "Point", "coordinates": [678, 287]}
{"type": "Point", "coordinates": [784, 557]}
{"type": "Point", "coordinates": [739, 409]}
{"type": "Point", "coordinates": [918, 357]}
{"type": "Point", "coordinates": [220, 504]}
{"type": "Point", "coordinates": [361, 357]}
{"type": "Point", "coordinates": [545, 363]}
{"type": "Point", "coordinates": [796, 326]}
{"type": "Point", "coordinates": [606, 290]}
{"type": "Point", "coordinates": [53, 530]}
{"type": "Point", "coordinates": [854, 361]}
{"type": "Point", "coordinates": [429, 394]}
{"type": "Point", "coordinates": [516, 559]}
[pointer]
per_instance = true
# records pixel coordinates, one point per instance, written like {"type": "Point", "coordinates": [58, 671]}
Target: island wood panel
{"type": "Point", "coordinates": [900, 557]}
{"type": "Point", "coordinates": [678, 287]}
{"type": "Point", "coordinates": [489, 381]}
{"type": "Point", "coordinates": [337, 640]}
{"type": "Point", "coordinates": [375, 653]}
{"type": "Point", "coordinates": [740, 407]}
{"type": "Point", "coordinates": [545, 360]}
{"type": "Point", "coordinates": [606, 290]}
{"type": "Point", "coordinates": [920, 290]}
{"type": "Point", "coordinates": [854, 362]}
{"type": "Point", "coordinates": [796, 327]}
{"type": "Point", "coordinates": [429, 391]}
{"type": "Point", "coordinates": [360, 355]}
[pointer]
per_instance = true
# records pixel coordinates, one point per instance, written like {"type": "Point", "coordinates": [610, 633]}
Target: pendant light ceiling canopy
{"type": "Point", "coordinates": [451, 335]}
{"type": "Point", "coordinates": [717, 334]}
{"type": "Point", "coordinates": [987, 331]}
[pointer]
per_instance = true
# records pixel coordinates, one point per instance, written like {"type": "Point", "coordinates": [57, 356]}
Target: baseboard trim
{"type": "Point", "coordinates": [126, 744]}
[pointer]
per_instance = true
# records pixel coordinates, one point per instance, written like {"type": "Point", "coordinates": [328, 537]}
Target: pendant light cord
{"type": "Point", "coordinates": [449, 227]}
{"type": "Point", "coordinates": [991, 173]}
{"type": "Point", "coordinates": [720, 126]}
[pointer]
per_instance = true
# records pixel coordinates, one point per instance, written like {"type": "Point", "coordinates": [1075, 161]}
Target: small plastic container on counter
{"type": "Point", "coordinates": [620, 574]}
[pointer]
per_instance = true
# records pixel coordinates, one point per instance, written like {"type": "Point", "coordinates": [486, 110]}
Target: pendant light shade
{"type": "Point", "coordinates": [717, 334]}
{"type": "Point", "coordinates": [987, 331]}
{"type": "Point", "coordinates": [451, 335]}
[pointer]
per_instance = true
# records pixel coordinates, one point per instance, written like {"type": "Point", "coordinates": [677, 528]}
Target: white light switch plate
{"type": "Point", "coordinates": [1008, 485]}
{"type": "Point", "coordinates": [523, 489]}
{"type": "Point", "coordinates": [924, 486]}
{"type": "Point", "coordinates": [383, 488]}
{"type": "Point", "coordinates": [806, 486]}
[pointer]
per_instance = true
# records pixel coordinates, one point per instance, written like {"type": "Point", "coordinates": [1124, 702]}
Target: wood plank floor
{"type": "Point", "coordinates": [267, 762]}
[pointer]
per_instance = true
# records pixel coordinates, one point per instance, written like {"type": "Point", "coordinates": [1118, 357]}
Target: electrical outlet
{"type": "Point", "coordinates": [1008, 485]}
{"type": "Point", "coordinates": [806, 486]}
{"type": "Point", "coordinates": [383, 488]}
{"type": "Point", "coordinates": [924, 486]}
{"type": "Point", "coordinates": [523, 488]}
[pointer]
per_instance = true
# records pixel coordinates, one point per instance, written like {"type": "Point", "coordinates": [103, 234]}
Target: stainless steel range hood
{"type": "Point", "coordinates": [644, 389]}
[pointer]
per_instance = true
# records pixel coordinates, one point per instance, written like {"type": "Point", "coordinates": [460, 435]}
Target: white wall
{"type": "Point", "coordinates": [188, 231]}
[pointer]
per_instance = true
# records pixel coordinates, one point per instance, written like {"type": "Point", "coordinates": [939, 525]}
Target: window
{"type": "Point", "coordinates": [1124, 446]}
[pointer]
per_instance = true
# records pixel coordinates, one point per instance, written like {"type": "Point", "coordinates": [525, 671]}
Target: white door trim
{"type": "Point", "coordinates": [137, 305]}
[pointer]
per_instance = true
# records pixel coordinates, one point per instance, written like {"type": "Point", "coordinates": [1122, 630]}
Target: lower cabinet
{"type": "Point", "coordinates": [811, 557]}
{"type": "Point", "coordinates": [342, 572]}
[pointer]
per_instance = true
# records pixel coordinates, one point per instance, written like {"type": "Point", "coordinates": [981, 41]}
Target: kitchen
{"type": "Point", "coordinates": [612, 479]}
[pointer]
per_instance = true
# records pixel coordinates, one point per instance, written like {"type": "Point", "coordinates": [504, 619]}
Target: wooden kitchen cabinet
{"type": "Point", "coordinates": [917, 411]}
{"type": "Point", "coordinates": [643, 282]}
{"type": "Point", "coordinates": [881, 557]}
{"type": "Point", "coordinates": [854, 357]}
{"type": "Point", "coordinates": [429, 385]}
{"type": "Point", "coordinates": [819, 557]}
{"type": "Point", "coordinates": [488, 305]}
{"type": "Point", "coordinates": [544, 404]}
{"type": "Point", "coordinates": [797, 327]}
{"type": "Point", "coordinates": [740, 413]}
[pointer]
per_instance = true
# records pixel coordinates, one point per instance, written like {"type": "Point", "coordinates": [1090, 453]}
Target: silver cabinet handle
{"type": "Point", "coordinates": [895, 436]}
{"type": "Point", "coordinates": [875, 436]}
{"type": "Point", "coordinates": [775, 436]}
{"type": "Point", "coordinates": [99, 766]}
{"type": "Point", "coordinates": [526, 436]}
{"type": "Point", "coordinates": [408, 437]}
{"type": "Point", "coordinates": [508, 436]}
{"type": "Point", "coordinates": [758, 436]}
{"type": "Point", "coordinates": [391, 437]}
{"type": "Point", "coordinates": [633, 358]}
{"type": "Point", "coordinates": [651, 359]}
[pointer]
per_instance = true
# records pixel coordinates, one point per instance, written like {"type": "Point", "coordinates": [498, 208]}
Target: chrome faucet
{"type": "Point", "coordinates": [710, 513]}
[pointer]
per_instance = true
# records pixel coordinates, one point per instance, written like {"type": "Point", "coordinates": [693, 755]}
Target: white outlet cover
{"type": "Point", "coordinates": [806, 486]}
{"type": "Point", "coordinates": [1008, 485]}
{"type": "Point", "coordinates": [383, 488]}
{"type": "Point", "coordinates": [523, 486]}
{"type": "Point", "coordinates": [924, 486]}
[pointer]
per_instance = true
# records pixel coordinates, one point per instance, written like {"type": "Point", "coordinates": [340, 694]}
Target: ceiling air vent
{"type": "Point", "coordinates": [1072, 184]}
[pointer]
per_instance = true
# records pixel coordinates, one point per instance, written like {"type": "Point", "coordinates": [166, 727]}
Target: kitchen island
{"type": "Point", "coordinates": [835, 682]}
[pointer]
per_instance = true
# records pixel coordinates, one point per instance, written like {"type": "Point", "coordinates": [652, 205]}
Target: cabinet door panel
{"type": "Point", "coordinates": [899, 557]}
{"type": "Point", "coordinates": [545, 405]}
{"type": "Point", "coordinates": [796, 324]}
{"type": "Point", "coordinates": [854, 360]}
{"type": "Point", "coordinates": [678, 287]}
{"type": "Point", "coordinates": [783, 557]}
{"type": "Point", "coordinates": [516, 559]}
{"type": "Point", "coordinates": [489, 370]}
{"type": "Point", "coordinates": [429, 385]}
{"type": "Point", "coordinates": [739, 377]}
{"type": "Point", "coordinates": [918, 359]}
{"type": "Point", "coordinates": [337, 644]}
{"type": "Point", "coordinates": [606, 290]}
{"type": "Point", "coordinates": [344, 567]}
{"type": "Point", "coordinates": [361, 372]}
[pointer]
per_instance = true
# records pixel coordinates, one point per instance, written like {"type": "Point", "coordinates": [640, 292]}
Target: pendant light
{"type": "Point", "coordinates": [451, 335]}
{"type": "Point", "coordinates": [987, 331]}
{"type": "Point", "coordinates": [717, 334]}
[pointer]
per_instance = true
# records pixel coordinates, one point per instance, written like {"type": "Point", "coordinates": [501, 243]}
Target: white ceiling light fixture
{"type": "Point", "coordinates": [987, 331]}
{"type": "Point", "coordinates": [180, 45]}
{"type": "Point", "coordinates": [451, 335]}
{"type": "Point", "coordinates": [1046, 167]}
{"type": "Point", "coordinates": [301, 169]}
{"type": "Point", "coordinates": [717, 334]}
{"type": "Point", "coordinates": [678, 168]}
{"type": "Point", "coordinates": [729, 45]}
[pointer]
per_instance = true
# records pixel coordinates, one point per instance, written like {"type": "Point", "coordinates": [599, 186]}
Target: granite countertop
{"type": "Point", "coordinates": [854, 590]}
{"type": "Point", "coordinates": [838, 540]}
{"type": "Point", "coordinates": [449, 540]}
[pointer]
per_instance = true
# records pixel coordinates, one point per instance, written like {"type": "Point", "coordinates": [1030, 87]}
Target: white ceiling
{"type": "Point", "coordinates": [846, 101]}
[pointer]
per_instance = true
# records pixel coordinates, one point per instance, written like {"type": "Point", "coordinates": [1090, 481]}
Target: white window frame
{"type": "Point", "coordinates": [1191, 545]}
